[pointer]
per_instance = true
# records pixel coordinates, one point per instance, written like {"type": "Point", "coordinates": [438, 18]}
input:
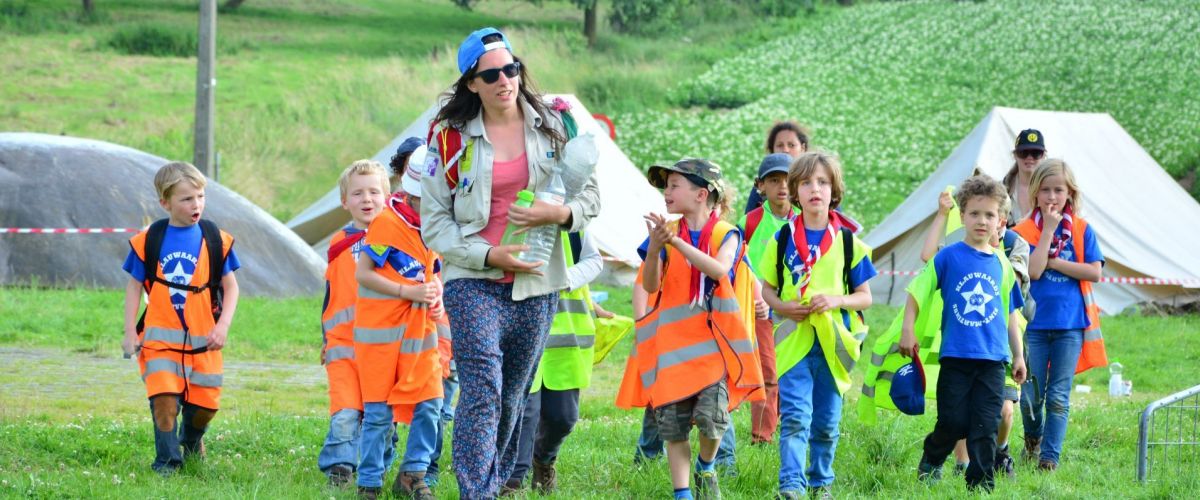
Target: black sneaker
{"type": "Point", "coordinates": [369, 492]}
{"type": "Point", "coordinates": [928, 474]}
{"type": "Point", "coordinates": [960, 469]}
{"type": "Point", "coordinates": [1005, 463]}
{"type": "Point", "coordinates": [340, 475]}
{"type": "Point", "coordinates": [821, 493]}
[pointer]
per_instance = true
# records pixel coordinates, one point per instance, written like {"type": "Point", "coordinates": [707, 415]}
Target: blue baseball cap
{"type": "Point", "coordinates": [774, 162]}
{"type": "Point", "coordinates": [908, 388]}
{"type": "Point", "coordinates": [473, 48]}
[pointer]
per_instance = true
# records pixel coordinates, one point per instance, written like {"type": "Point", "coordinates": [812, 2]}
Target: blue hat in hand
{"type": "Point", "coordinates": [473, 48]}
{"type": "Point", "coordinates": [908, 388]}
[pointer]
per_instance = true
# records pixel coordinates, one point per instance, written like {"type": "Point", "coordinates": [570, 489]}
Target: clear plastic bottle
{"type": "Point", "coordinates": [579, 157]}
{"type": "Point", "coordinates": [1116, 382]}
{"type": "Point", "coordinates": [541, 239]}
{"type": "Point", "coordinates": [524, 200]}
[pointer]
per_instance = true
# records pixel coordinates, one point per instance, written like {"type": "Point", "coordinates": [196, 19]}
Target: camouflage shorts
{"type": "Point", "coordinates": [707, 410]}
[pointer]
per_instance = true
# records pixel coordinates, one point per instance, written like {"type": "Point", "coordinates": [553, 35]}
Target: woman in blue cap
{"type": "Point", "coordinates": [493, 137]}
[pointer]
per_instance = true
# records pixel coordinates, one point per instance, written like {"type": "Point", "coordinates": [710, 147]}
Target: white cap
{"type": "Point", "coordinates": [411, 181]}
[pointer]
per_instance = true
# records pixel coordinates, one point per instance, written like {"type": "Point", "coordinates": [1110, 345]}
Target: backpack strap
{"type": "Point", "coordinates": [150, 251]}
{"type": "Point", "coordinates": [752, 220]}
{"type": "Point", "coordinates": [575, 240]}
{"type": "Point", "coordinates": [785, 233]}
{"type": "Point", "coordinates": [216, 263]}
{"type": "Point", "coordinates": [847, 257]}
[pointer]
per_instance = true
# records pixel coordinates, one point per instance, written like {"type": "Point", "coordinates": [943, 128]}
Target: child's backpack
{"type": "Point", "coordinates": [216, 262]}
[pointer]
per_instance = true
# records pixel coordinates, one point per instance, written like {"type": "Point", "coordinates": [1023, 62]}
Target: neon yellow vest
{"type": "Point", "coordinates": [841, 345]}
{"type": "Point", "coordinates": [567, 361]}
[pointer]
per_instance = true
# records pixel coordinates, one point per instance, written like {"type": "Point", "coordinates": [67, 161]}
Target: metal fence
{"type": "Point", "coordinates": [1169, 436]}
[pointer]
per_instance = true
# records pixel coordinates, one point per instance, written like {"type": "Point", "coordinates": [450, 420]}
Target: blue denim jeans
{"type": "Point", "coordinates": [1052, 357]}
{"type": "Point", "coordinates": [168, 454]}
{"type": "Point", "coordinates": [341, 443]}
{"type": "Point", "coordinates": [810, 409]}
{"type": "Point", "coordinates": [377, 433]}
{"type": "Point", "coordinates": [422, 436]}
{"type": "Point", "coordinates": [651, 446]}
{"type": "Point", "coordinates": [449, 387]}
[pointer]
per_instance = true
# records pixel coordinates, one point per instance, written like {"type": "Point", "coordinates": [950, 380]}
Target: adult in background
{"type": "Point", "coordinates": [494, 137]}
{"type": "Point", "coordinates": [1027, 152]}
{"type": "Point", "coordinates": [785, 137]}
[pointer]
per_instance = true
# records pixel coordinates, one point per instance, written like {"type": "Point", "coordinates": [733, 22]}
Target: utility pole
{"type": "Point", "coordinates": [206, 81]}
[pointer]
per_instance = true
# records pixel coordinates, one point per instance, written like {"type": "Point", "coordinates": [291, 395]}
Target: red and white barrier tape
{"type": "Point", "coordinates": [1107, 279]}
{"type": "Point", "coordinates": [67, 230]}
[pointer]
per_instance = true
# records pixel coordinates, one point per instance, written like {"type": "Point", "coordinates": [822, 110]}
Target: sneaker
{"type": "Point", "coordinates": [821, 492]}
{"type": "Point", "coordinates": [1033, 449]}
{"type": "Point", "coordinates": [707, 486]}
{"type": "Point", "coordinates": [196, 452]}
{"type": "Point", "coordinates": [1004, 463]}
{"type": "Point", "coordinates": [928, 474]}
{"type": "Point", "coordinates": [1047, 466]}
{"type": "Point", "coordinates": [369, 492]}
{"type": "Point", "coordinates": [511, 487]}
{"type": "Point", "coordinates": [545, 479]}
{"type": "Point", "coordinates": [431, 480]}
{"type": "Point", "coordinates": [788, 495]}
{"type": "Point", "coordinates": [412, 485]}
{"type": "Point", "coordinates": [960, 469]}
{"type": "Point", "coordinates": [340, 475]}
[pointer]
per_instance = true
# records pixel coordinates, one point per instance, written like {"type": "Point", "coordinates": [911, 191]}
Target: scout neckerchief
{"type": "Point", "coordinates": [1059, 242]}
{"type": "Point", "coordinates": [399, 204]}
{"type": "Point", "coordinates": [809, 259]}
{"type": "Point", "coordinates": [699, 279]}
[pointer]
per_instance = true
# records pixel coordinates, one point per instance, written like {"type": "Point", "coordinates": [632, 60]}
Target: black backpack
{"type": "Point", "coordinates": [216, 262]}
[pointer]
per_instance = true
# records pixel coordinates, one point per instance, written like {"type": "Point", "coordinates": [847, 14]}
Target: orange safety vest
{"type": "Point", "coordinates": [337, 329]}
{"type": "Point", "coordinates": [395, 342]}
{"type": "Point", "coordinates": [1093, 354]}
{"type": "Point", "coordinates": [165, 369]}
{"type": "Point", "coordinates": [681, 349]}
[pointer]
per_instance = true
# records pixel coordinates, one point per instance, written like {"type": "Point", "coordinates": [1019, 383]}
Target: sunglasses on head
{"type": "Point", "coordinates": [510, 70]}
{"type": "Point", "coordinates": [1030, 153]}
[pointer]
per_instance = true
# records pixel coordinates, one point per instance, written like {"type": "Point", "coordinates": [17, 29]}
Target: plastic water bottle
{"type": "Point", "coordinates": [1116, 383]}
{"type": "Point", "coordinates": [579, 157]}
{"type": "Point", "coordinates": [541, 239]}
{"type": "Point", "coordinates": [524, 200]}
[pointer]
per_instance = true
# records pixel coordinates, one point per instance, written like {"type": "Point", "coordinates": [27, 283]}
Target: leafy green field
{"type": "Point", "coordinates": [893, 86]}
{"type": "Point", "coordinates": [73, 419]}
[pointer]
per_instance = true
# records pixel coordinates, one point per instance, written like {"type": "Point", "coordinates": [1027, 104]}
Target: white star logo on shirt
{"type": "Point", "coordinates": [180, 277]}
{"type": "Point", "coordinates": [977, 300]}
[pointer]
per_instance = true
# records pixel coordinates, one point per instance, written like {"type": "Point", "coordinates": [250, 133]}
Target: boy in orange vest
{"type": "Point", "coordinates": [396, 347]}
{"type": "Point", "coordinates": [364, 188]}
{"type": "Point", "coordinates": [694, 358]}
{"type": "Point", "coordinates": [187, 318]}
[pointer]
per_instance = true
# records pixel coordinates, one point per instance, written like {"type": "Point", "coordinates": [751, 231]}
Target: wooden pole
{"type": "Point", "coordinates": [206, 82]}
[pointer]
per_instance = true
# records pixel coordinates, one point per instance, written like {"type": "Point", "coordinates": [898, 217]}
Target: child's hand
{"type": "Point", "coordinates": [656, 225]}
{"type": "Point", "coordinates": [217, 337]}
{"type": "Point", "coordinates": [822, 303]}
{"type": "Point", "coordinates": [602, 312]}
{"type": "Point", "coordinates": [1051, 216]}
{"type": "Point", "coordinates": [794, 311]}
{"type": "Point", "coordinates": [945, 203]}
{"type": "Point", "coordinates": [908, 344]}
{"type": "Point", "coordinates": [129, 344]}
{"type": "Point", "coordinates": [424, 293]}
{"type": "Point", "coordinates": [1019, 371]}
{"type": "Point", "coordinates": [761, 309]}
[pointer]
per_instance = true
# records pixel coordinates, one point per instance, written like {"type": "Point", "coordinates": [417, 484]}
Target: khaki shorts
{"type": "Point", "coordinates": [707, 410]}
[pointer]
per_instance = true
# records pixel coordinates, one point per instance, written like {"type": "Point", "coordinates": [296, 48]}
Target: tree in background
{"type": "Point", "coordinates": [588, 7]}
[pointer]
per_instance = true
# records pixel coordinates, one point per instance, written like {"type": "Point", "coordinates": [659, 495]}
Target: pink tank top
{"type": "Point", "coordinates": [508, 177]}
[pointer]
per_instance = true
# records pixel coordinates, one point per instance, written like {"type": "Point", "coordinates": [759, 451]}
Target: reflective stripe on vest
{"type": "Point", "coordinates": [416, 346]}
{"type": "Point", "coordinates": [173, 336]}
{"type": "Point", "coordinates": [338, 353]}
{"type": "Point", "coordinates": [166, 365]}
{"type": "Point", "coordinates": [367, 293]}
{"type": "Point", "coordinates": [787, 327]}
{"type": "Point", "coordinates": [379, 335]}
{"type": "Point", "coordinates": [339, 318]}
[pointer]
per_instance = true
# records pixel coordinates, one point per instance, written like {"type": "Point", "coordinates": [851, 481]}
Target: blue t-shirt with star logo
{"type": "Point", "coordinates": [178, 257]}
{"type": "Point", "coordinates": [1058, 298]}
{"type": "Point", "coordinates": [974, 325]}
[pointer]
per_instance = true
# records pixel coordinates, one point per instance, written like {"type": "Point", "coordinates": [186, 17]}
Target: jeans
{"type": "Point", "coordinates": [548, 419]}
{"type": "Point", "coordinates": [422, 436]}
{"type": "Point", "coordinates": [449, 387]}
{"type": "Point", "coordinates": [168, 455]}
{"type": "Point", "coordinates": [810, 409]}
{"type": "Point", "coordinates": [341, 443]}
{"type": "Point", "coordinates": [651, 446]}
{"type": "Point", "coordinates": [377, 433]}
{"type": "Point", "coordinates": [970, 396]}
{"type": "Point", "coordinates": [1052, 358]}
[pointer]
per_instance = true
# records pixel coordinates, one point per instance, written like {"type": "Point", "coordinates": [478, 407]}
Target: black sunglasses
{"type": "Point", "coordinates": [1028, 153]}
{"type": "Point", "coordinates": [490, 76]}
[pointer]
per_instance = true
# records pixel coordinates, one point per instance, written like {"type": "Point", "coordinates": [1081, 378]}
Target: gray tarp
{"type": "Point", "coordinates": [1144, 220]}
{"type": "Point", "coordinates": [56, 181]}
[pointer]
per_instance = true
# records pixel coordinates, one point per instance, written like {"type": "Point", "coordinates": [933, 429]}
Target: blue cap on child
{"type": "Point", "coordinates": [908, 388]}
{"type": "Point", "coordinates": [473, 48]}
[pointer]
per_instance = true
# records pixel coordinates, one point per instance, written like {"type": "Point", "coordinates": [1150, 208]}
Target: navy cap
{"type": "Point", "coordinates": [409, 145]}
{"type": "Point", "coordinates": [1030, 139]}
{"type": "Point", "coordinates": [908, 388]}
{"type": "Point", "coordinates": [774, 162]}
{"type": "Point", "coordinates": [473, 48]}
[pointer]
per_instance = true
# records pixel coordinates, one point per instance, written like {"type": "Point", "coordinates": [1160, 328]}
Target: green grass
{"type": "Point", "coordinates": [73, 419]}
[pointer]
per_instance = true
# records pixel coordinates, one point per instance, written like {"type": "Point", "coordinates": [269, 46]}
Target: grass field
{"type": "Point", "coordinates": [73, 420]}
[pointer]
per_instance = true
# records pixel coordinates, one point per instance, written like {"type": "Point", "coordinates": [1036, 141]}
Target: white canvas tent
{"type": "Point", "coordinates": [1143, 218]}
{"type": "Point", "coordinates": [625, 195]}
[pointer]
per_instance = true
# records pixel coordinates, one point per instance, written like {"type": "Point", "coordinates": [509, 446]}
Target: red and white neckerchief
{"type": "Point", "coordinates": [699, 281]}
{"type": "Point", "coordinates": [807, 258]}
{"type": "Point", "coordinates": [1059, 242]}
{"type": "Point", "coordinates": [399, 205]}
